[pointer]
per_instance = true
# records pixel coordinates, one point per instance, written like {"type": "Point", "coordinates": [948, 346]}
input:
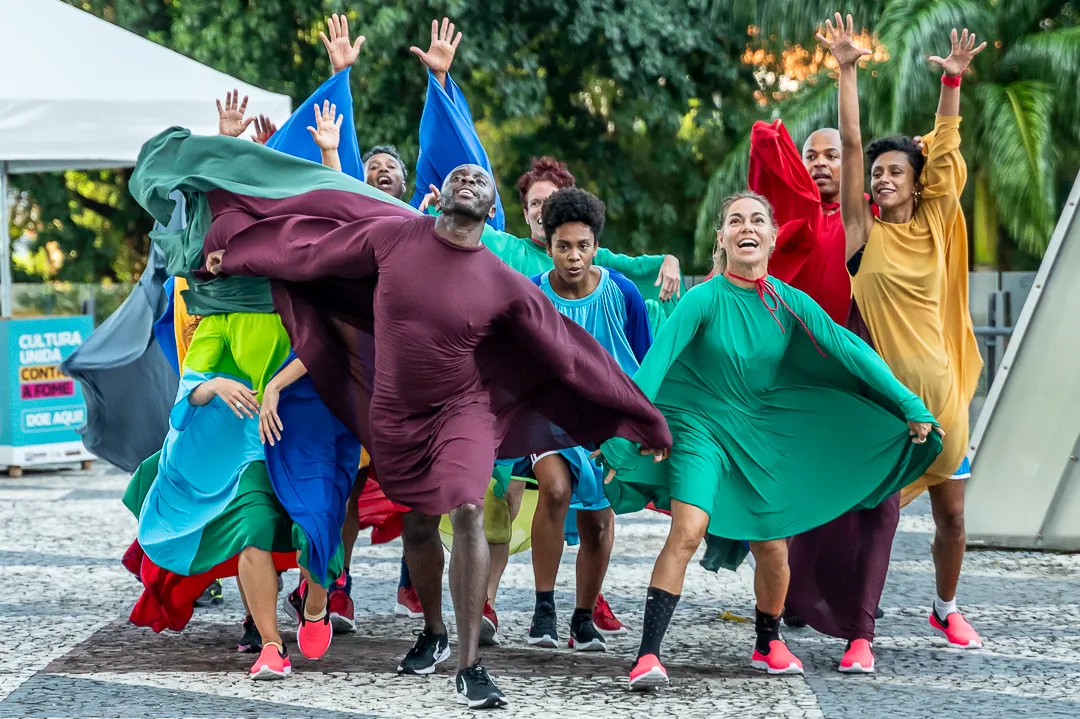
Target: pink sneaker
{"type": "Point", "coordinates": [605, 620]}
{"type": "Point", "coordinates": [648, 674]}
{"type": "Point", "coordinates": [313, 635]}
{"type": "Point", "coordinates": [489, 629]}
{"type": "Point", "coordinates": [859, 658]}
{"type": "Point", "coordinates": [779, 660]}
{"type": "Point", "coordinates": [408, 604]}
{"type": "Point", "coordinates": [273, 663]}
{"type": "Point", "coordinates": [956, 630]}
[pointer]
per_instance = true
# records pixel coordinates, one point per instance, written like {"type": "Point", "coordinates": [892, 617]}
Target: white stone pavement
{"type": "Point", "coordinates": [67, 650]}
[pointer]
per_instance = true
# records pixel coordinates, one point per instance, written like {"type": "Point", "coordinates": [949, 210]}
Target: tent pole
{"type": "Point", "coordinates": [5, 246]}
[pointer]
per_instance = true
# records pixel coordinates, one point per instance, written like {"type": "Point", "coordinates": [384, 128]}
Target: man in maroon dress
{"type": "Point", "coordinates": [473, 363]}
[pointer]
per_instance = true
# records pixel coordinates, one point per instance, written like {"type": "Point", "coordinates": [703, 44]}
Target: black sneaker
{"type": "Point", "coordinates": [292, 604]}
{"type": "Point", "coordinates": [211, 596]}
{"type": "Point", "coordinates": [429, 650]}
{"type": "Point", "coordinates": [793, 620]}
{"type": "Point", "coordinates": [251, 641]}
{"type": "Point", "coordinates": [587, 638]}
{"type": "Point", "coordinates": [476, 690]}
{"type": "Point", "coordinates": [542, 632]}
{"type": "Point", "coordinates": [879, 613]}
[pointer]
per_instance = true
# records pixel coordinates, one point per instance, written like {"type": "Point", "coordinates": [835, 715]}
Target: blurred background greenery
{"type": "Point", "coordinates": [649, 101]}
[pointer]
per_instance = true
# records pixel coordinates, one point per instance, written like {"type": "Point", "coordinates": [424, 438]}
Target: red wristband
{"type": "Point", "coordinates": [951, 80]}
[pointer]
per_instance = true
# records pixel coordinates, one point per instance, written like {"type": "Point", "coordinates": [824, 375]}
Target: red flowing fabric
{"type": "Point", "coordinates": [168, 599]}
{"type": "Point", "coordinates": [375, 510]}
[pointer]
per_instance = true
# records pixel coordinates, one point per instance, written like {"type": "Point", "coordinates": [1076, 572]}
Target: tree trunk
{"type": "Point", "coordinates": [985, 225]}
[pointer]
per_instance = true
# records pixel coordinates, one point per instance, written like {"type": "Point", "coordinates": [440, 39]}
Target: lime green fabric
{"type": "Point", "coordinates": [248, 345]}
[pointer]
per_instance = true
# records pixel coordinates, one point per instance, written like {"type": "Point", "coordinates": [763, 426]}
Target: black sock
{"type": "Point", "coordinates": [545, 598]}
{"type": "Point", "coordinates": [580, 616]}
{"type": "Point", "coordinates": [767, 627]}
{"type": "Point", "coordinates": [659, 606]}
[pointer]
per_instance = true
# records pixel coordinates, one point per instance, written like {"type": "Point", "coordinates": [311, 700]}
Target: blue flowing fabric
{"type": "Point", "coordinates": [448, 139]}
{"type": "Point", "coordinates": [312, 470]}
{"type": "Point", "coordinates": [293, 137]}
{"type": "Point", "coordinates": [164, 326]}
{"type": "Point", "coordinates": [194, 485]}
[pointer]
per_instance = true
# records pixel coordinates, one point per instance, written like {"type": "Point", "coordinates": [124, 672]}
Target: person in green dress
{"type": "Point", "coordinates": [758, 387]}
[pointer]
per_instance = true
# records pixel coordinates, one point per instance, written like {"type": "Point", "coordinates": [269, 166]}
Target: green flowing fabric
{"type": "Point", "coordinates": [153, 181]}
{"type": "Point", "coordinates": [530, 259]}
{"type": "Point", "coordinates": [254, 518]}
{"type": "Point", "coordinates": [771, 439]}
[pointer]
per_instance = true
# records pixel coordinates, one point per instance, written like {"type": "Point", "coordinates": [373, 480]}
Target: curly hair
{"type": "Point", "coordinates": [572, 205]}
{"type": "Point", "coordinates": [392, 152]}
{"type": "Point", "coordinates": [544, 169]}
{"type": "Point", "coordinates": [898, 143]}
{"type": "Point", "coordinates": [719, 255]}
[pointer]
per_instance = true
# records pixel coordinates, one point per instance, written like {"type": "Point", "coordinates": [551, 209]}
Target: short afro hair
{"type": "Point", "coordinates": [544, 169]}
{"type": "Point", "coordinates": [392, 152]}
{"type": "Point", "coordinates": [572, 205]}
{"type": "Point", "coordinates": [899, 143]}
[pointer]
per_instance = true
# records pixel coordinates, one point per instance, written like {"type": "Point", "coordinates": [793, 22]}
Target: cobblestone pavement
{"type": "Point", "coordinates": [68, 651]}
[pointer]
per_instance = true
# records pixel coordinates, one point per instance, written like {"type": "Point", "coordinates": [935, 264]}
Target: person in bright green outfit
{"type": "Point", "coordinates": [758, 387]}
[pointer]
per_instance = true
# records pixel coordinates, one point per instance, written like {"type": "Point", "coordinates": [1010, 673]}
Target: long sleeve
{"type": "Point", "coordinates": [945, 172]}
{"type": "Point", "coordinates": [777, 172]}
{"type": "Point", "coordinates": [448, 139]}
{"type": "Point", "coordinates": [674, 336]}
{"type": "Point", "coordinates": [307, 249]}
{"type": "Point", "coordinates": [637, 329]}
{"type": "Point", "coordinates": [638, 269]}
{"type": "Point", "coordinates": [855, 355]}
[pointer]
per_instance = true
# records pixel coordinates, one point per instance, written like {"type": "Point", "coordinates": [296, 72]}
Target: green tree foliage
{"type": "Point", "coordinates": [637, 97]}
{"type": "Point", "coordinates": [1021, 131]}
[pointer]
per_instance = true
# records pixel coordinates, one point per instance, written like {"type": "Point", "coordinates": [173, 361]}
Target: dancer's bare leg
{"type": "Point", "coordinates": [351, 529]}
{"type": "Point", "coordinates": [555, 484]}
{"type": "Point", "coordinates": [950, 536]}
{"type": "Point", "coordinates": [597, 532]}
{"type": "Point", "coordinates": [424, 556]}
{"type": "Point", "coordinates": [469, 565]}
{"type": "Point", "coordinates": [259, 578]}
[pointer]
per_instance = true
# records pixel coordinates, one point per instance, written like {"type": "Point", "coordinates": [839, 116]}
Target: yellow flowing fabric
{"type": "Point", "coordinates": [912, 291]}
{"type": "Point", "coordinates": [181, 320]}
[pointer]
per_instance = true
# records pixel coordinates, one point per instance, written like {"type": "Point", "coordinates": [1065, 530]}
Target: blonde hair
{"type": "Point", "coordinates": [719, 255]}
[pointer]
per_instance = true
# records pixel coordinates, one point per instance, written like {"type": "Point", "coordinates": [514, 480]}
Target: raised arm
{"type": "Point", "coordinates": [777, 172]}
{"type": "Point", "coordinates": [854, 210]}
{"type": "Point", "coordinates": [448, 136]}
{"type": "Point", "coordinates": [647, 272]}
{"type": "Point", "coordinates": [231, 120]}
{"type": "Point", "coordinates": [963, 51]}
{"type": "Point", "coordinates": [327, 134]}
{"type": "Point", "coordinates": [342, 53]}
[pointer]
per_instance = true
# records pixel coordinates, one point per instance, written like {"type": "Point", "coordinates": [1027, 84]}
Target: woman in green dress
{"type": "Point", "coordinates": [782, 421]}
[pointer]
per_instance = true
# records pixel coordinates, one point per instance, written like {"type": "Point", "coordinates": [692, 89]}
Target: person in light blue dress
{"type": "Point", "coordinates": [613, 311]}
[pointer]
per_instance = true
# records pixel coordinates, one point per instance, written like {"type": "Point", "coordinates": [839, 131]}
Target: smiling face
{"type": "Point", "coordinates": [746, 235]}
{"type": "Point", "coordinates": [468, 190]}
{"type": "Point", "coordinates": [385, 172]}
{"type": "Point", "coordinates": [821, 156]}
{"type": "Point", "coordinates": [573, 248]}
{"type": "Point", "coordinates": [534, 202]}
{"type": "Point", "coordinates": [892, 181]}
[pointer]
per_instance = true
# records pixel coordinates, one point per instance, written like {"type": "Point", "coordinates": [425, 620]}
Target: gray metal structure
{"type": "Point", "coordinates": [1024, 491]}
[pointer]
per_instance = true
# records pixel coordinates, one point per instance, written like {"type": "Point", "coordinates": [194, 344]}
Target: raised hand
{"type": "Point", "coordinates": [840, 40]}
{"type": "Point", "coordinates": [431, 199]}
{"type": "Point", "coordinates": [440, 54]}
{"type": "Point", "coordinates": [960, 56]}
{"type": "Point", "coordinates": [342, 53]}
{"type": "Point", "coordinates": [327, 130]}
{"type": "Point", "coordinates": [231, 120]}
{"type": "Point", "coordinates": [264, 129]}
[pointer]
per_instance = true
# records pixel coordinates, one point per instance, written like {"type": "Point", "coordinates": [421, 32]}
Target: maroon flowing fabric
{"type": "Point", "coordinates": [440, 358]}
{"type": "Point", "coordinates": [838, 570]}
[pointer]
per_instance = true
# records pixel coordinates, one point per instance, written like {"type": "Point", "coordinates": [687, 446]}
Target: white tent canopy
{"type": "Point", "coordinates": [94, 95]}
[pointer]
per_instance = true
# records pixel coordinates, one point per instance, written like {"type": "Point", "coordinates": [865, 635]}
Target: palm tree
{"type": "Point", "coordinates": [1023, 129]}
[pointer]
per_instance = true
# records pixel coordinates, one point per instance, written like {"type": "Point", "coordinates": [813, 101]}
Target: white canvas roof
{"type": "Point", "coordinates": [79, 92]}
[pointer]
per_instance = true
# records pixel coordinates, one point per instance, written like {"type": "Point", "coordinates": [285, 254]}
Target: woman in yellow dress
{"type": "Point", "coordinates": [912, 289]}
